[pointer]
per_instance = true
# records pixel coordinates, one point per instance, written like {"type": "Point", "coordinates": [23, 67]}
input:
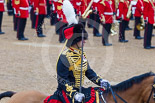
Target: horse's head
{"type": "Point", "coordinates": [138, 89]}
{"type": "Point", "coordinates": [149, 91]}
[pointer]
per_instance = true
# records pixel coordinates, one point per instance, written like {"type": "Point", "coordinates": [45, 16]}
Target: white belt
{"type": "Point", "coordinates": [1, 1]}
{"type": "Point", "coordinates": [108, 13]}
{"type": "Point", "coordinates": [24, 8]}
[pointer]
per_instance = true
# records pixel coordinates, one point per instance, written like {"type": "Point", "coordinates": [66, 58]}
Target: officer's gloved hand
{"type": "Point", "coordinates": [104, 83]}
{"type": "Point", "coordinates": [79, 97]}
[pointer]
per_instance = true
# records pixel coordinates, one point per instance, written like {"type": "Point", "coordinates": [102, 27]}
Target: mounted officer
{"type": "Point", "coordinates": [70, 75]}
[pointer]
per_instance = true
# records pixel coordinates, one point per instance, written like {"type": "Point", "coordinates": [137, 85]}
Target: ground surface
{"type": "Point", "coordinates": [31, 65]}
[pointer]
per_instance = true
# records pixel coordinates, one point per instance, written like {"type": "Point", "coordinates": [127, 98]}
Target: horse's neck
{"type": "Point", "coordinates": [135, 94]}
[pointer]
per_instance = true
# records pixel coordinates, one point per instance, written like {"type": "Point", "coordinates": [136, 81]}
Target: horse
{"type": "Point", "coordinates": [138, 89]}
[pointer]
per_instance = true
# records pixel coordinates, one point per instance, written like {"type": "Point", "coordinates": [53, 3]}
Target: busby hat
{"type": "Point", "coordinates": [75, 30]}
{"type": "Point", "coordinates": [74, 34]}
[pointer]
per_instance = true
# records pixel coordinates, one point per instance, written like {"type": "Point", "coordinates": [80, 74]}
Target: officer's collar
{"type": "Point", "coordinates": [78, 51]}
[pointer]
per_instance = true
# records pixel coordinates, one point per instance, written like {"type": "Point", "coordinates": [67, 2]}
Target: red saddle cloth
{"type": "Point", "coordinates": [52, 100]}
{"type": "Point", "coordinates": [91, 99]}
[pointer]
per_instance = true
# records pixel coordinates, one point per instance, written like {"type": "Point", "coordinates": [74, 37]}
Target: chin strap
{"type": "Point", "coordinates": [77, 46]}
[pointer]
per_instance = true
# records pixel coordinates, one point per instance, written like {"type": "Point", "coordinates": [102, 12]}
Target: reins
{"type": "Point", "coordinates": [114, 94]}
{"type": "Point", "coordinates": [152, 91]}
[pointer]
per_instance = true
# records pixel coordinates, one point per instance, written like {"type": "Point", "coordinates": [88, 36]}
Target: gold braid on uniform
{"type": "Point", "coordinates": [122, 1]}
{"type": "Point", "coordinates": [17, 2]}
{"type": "Point", "coordinates": [146, 1]}
{"type": "Point", "coordinates": [74, 58]}
{"type": "Point", "coordinates": [70, 89]}
{"type": "Point", "coordinates": [102, 2]}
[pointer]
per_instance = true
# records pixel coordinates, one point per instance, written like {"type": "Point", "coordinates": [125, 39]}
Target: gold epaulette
{"type": "Point", "coordinates": [70, 90]}
{"type": "Point", "coordinates": [17, 2]}
{"type": "Point", "coordinates": [146, 1]}
{"type": "Point", "coordinates": [64, 52]}
{"type": "Point", "coordinates": [102, 2]}
{"type": "Point", "coordinates": [122, 1]}
{"type": "Point", "coordinates": [59, 7]}
{"type": "Point", "coordinates": [60, 1]}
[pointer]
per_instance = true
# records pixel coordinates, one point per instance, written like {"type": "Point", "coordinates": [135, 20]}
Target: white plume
{"type": "Point", "coordinates": [69, 12]}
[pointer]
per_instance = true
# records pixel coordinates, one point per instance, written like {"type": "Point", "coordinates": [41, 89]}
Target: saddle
{"type": "Point", "coordinates": [92, 95]}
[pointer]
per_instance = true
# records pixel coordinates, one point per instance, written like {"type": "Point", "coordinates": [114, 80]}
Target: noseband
{"type": "Point", "coordinates": [152, 91]}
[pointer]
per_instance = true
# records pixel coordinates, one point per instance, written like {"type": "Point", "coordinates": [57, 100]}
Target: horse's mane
{"type": "Point", "coordinates": [129, 83]}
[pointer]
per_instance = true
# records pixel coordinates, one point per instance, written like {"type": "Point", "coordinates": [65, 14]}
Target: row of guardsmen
{"type": "Point", "coordinates": [105, 12]}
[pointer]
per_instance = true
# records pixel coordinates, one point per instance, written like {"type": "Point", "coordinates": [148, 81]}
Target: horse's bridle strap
{"type": "Point", "coordinates": [154, 89]}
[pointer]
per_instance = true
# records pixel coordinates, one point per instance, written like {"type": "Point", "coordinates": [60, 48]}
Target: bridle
{"type": "Point", "coordinates": [152, 91]}
{"type": "Point", "coordinates": [114, 94]}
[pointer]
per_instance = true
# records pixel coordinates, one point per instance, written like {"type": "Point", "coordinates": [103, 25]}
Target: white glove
{"type": "Point", "coordinates": [104, 83]}
{"type": "Point", "coordinates": [30, 7]}
{"type": "Point", "coordinates": [36, 13]}
{"type": "Point", "coordinates": [79, 97]}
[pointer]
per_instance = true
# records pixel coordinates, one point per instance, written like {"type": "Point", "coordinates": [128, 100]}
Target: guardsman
{"type": "Point", "coordinates": [32, 16]}
{"type": "Point", "coordinates": [106, 15]}
{"type": "Point", "coordinates": [62, 20]}
{"type": "Point", "coordinates": [70, 75]}
{"type": "Point", "coordinates": [53, 19]}
{"type": "Point", "coordinates": [131, 16]}
{"type": "Point", "coordinates": [81, 6]}
{"type": "Point", "coordinates": [9, 7]}
{"type": "Point", "coordinates": [40, 11]}
{"type": "Point", "coordinates": [138, 14]}
{"type": "Point", "coordinates": [90, 18]}
{"type": "Point", "coordinates": [48, 4]}
{"type": "Point", "coordinates": [15, 16]}
{"type": "Point", "coordinates": [55, 16]}
{"type": "Point", "coordinates": [1, 15]}
{"type": "Point", "coordinates": [114, 5]}
{"type": "Point", "coordinates": [122, 14]}
{"type": "Point", "coordinates": [96, 18]}
{"type": "Point", "coordinates": [149, 21]}
{"type": "Point", "coordinates": [22, 11]}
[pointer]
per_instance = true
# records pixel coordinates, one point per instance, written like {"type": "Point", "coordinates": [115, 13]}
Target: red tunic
{"type": "Point", "coordinates": [31, 2]}
{"type": "Point", "coordinates": [148, 11]}
{"type": "Point", "coordinates": [113, 6]}
{"type": "Point", "coordinates": [80, 6]}
{"type": "Point", "coordinates": [1, 5]}
{"type": "Point", "coordinates": [60, 13]}
{"type": "Point", "coordinates": [139, 8]}
{"type": "Point", "coordinates": [41, 6]}
{"type": "Point", "coordinates": [123, 10]}
{"type": "Point", "coordinates": [95, 5]}
{"type": "Point", "coordinates": [54, 6]}
{"type": "Point", "coordinates": [105, 9]}
{"type": "Point", "coordinates": [22, 8]}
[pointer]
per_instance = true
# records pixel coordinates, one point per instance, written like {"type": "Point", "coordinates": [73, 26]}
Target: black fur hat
{"type": "Point", "coordinates": [74, 34]}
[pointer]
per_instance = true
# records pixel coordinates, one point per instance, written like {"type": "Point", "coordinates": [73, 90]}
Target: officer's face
{"type": "Point", "coordinates": [80, 43]}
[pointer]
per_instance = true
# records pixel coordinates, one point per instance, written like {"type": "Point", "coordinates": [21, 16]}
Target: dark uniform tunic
{"type": "Point", "coordinates": [68, 75]}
